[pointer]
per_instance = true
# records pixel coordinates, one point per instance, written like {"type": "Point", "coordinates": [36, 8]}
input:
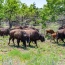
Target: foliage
{"type": "Point", "coordinates": [53, 9]}
{"type": "Point", "coordinates": [11, 9]}
{"type": "Point", "coordinates": [1, 9]}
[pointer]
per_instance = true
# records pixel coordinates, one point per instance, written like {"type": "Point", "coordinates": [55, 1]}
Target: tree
{"type": "Point", "coordinates": [11, 9]}
{"type": "Point", "coordinates": [24, 11]}
{"type": "Point", "coordinates": [33, 12]}
{"type": "Point", "coordinates": [1, 10]}
{"type": "Point", "coordinates": [53, 9]}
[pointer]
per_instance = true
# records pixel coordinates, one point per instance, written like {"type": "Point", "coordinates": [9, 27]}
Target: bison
{"type": "Point", "coordinates": [4, 31]}
{"type": "Point", "coordinates": [53, 36]}
{"type": "Point", "coordinates": [34, 35]}
{"type": "Point", "coordinates": [18, 34]}
{"type": "Point", "coordinates": [61, 35]}
{"type": "Point", "coordinates": [49, 31]}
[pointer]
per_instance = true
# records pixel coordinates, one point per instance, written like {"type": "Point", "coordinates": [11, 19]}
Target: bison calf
{"type": "Point", "coordinates": [53, 36]}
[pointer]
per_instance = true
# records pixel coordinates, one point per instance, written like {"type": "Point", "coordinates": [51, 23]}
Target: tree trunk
{"type": "Point", "coordinates": [10, 24]}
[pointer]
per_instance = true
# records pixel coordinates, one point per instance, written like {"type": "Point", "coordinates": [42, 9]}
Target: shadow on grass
{"type": "Point", "coordinates": [60, 44]}
{"type": "Point", "coordinates": [19, 47]}
{"type": "Point", "coordinates": [25, 48]}
{"type": "Point", "coordinates": [31, 46]}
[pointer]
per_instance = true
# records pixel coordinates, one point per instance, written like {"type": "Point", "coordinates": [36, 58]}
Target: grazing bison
{"type": "Point", "coordinates": [34, 35]}
{"type": "Point", "coordinates": [4, 31]}
{"type": "Point", "coordinates": [61, 35]}
{"type": "Point", "coordinates": [19, 35]}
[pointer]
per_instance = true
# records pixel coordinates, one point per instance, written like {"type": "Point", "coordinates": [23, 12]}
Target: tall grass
{"type": "Point", "coordinates": [22, 56]}
{"type": "Point", "coordinates": [41, 58]}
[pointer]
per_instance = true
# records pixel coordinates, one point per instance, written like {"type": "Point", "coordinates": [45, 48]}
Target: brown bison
{"type": "Point", "coordinates": [4, 31]}
{"type": "Point", "coordinates": [34, 35]}
{"type": "Point", "coordinates": [18, 34]}
{"type": "Point", "coordinates": [49, 31]}
{"type": "Point", "coordinates": [53, 36]}
{"type": "Point", "coordinates": [61, 35]}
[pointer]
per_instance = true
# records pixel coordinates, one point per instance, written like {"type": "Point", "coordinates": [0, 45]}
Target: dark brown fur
{"type": "Point", "coordinates": [4, 31]}
{"type": "Point", "coordinates": [34, 35]}
{"type": "Point", "coordinates": [19, 35]}
{"type": "Point", "coordinates": [61, 35]}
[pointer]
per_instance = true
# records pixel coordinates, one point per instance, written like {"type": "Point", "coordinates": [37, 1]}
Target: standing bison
{"type": "Point", "coordinates": [4, 31]}
{"type": "Point", "coordinates": [34, 35]}
{"type": "Point", "coordinates": [50, 31]}
{"type": "Point", "coordinates": [61, 35]}
{"type": "Point", "coordinates": [18, 34]}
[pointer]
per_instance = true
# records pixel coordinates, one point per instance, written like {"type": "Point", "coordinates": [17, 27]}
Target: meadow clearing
{"type": "Point", "coordinates": [47, 53]}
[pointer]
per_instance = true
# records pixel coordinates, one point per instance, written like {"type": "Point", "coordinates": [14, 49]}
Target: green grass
{"type": "Point", "coordinates": [47, 53]}
{"type": "Point", "coordinates": [21, 55]}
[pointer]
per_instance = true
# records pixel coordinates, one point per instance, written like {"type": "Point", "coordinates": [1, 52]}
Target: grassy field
{"type": "Point", "coordinates": [47, 53]}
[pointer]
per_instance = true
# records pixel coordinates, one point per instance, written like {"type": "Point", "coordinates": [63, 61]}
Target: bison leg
{"type": "Point", "coordinates": [24, 43]}
{"type": "Point", "coordinates": [63, 41]}
{"type": "Point", "coordinates": [36, 43]}
{"type": "Point", "coordinates": [9, 40]}
{"type": "Point", "coordinates": [18, 41]}
{"type": "Point", "coordinates": [13, 41]}
{"type": "Point", "coordinates": [57, 40]}
{"type": "Point", "coordinates": [3, 36]}
{"type": "Point", "coordinates": [29, 43]}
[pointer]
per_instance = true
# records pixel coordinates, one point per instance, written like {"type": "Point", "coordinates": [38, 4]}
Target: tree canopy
{"type": "Point", "coordinates": [11, 9]}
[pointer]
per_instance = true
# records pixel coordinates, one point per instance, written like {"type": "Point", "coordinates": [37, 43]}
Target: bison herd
{"type": "Point", "coordinates": [28, 34]}
{"type": "Point", "coordinates": [24, 34]}
{"type": "Point", "coordinates": [60, 34]}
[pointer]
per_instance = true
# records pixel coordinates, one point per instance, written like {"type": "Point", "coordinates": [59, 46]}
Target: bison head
{"type": "Point", "coordinates": [42, 38]}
